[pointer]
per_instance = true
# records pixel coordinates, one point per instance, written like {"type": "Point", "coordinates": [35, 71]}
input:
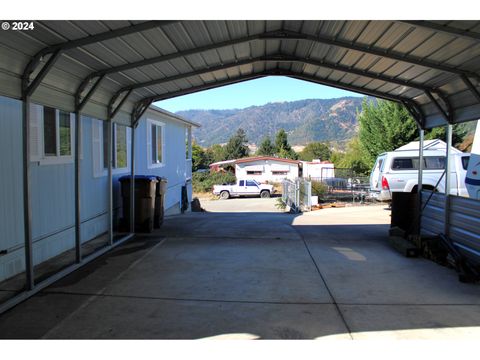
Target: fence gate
{"type": "Point", "coordinates": [297, 194]}
{"type": "Point", "coordinates": [343, 184]}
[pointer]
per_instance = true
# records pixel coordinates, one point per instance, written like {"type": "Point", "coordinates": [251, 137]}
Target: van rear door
{"type": "Point", "coordinates": [376, 175]}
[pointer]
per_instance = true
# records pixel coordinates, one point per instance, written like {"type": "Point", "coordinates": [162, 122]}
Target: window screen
{"type": "Point", "coordinates": [157, 144]}
{"type": "Point", "coordinates": [49, 131]}
{"type": "Point", "coordinates": [105, 144]}
{"type": "Point", "coordinates": [65, 136]}
{"type": "Point", "coordinates": [121, 146]}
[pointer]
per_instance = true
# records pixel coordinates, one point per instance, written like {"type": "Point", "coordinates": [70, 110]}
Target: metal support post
{"type": "Point", "coordinates": [448, 165]}
{"type": "Point", "coordinates": [132, 182]}
{"type": "Point", "coordinates": [421, 141]}
{"type": "Point", "coordinates": [78, 223]}
{"type": "Point", "coordinates": [27, 212]}
{"type": "Point", "coordinates": [110, 181]}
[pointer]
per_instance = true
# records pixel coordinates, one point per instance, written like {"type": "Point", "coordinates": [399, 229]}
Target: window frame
{"type": "Point", "coordinates": [99, 149]}
{"type": "Point", "coordinates": [150, 124]}
{"type": "Point", "coordinates": [56, 159]}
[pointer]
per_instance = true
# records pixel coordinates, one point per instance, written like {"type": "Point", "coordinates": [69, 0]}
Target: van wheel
{"type": "Point", "coordinates": [265, 194]}
{"type": "Point", "coordinates": [224, 195]}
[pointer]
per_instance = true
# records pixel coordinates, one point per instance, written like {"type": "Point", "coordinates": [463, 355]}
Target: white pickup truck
{"type": "Point", "coordinates": [243, 188]}
{"type": "Point", "coordinates": [397, 171]}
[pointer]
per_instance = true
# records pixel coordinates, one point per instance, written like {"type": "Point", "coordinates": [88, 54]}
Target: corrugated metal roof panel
{"type": "Point", "coordinates": [426, 47]}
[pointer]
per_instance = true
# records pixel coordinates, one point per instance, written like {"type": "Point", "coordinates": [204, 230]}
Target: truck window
{"type": "Point", "coordinates": [405, 164]}
{"type": "Point", "coordinates": [241, 183]}
{"type": "Point", "coordinates": [251, 183]}
{"type": "Point", "coordinates": [434, 162]}
{"type": "Point", "coordinates": [465, 160]}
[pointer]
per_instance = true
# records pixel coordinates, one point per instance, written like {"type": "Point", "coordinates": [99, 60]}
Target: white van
{"type": "Point", "coordinates": [397, 171]}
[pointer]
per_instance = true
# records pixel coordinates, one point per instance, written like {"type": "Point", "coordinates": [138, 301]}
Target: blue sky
{"type": "Point", "coordinates": [253, 92]}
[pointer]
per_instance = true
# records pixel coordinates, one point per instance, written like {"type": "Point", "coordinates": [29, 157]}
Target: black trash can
{"type": "Point", "coordinates": [405, 211]}
{"type": "Point", "coordinates": [145, 191]}
{"type": "Point", "coordinates": [161, 190]}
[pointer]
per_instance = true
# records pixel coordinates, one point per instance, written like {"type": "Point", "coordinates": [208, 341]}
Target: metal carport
{"type": "Point", "coordinates": [114, 70]}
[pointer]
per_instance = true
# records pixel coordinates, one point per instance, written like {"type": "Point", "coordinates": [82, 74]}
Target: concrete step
{"type": "Point", "coordinates": [403, 246]}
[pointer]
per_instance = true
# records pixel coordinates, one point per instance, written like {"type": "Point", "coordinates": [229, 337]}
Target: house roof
{"type": "Point", "coordinates": [174, 116]}
{"type": "Point", "coordinates": [317, 162]}
{"type": "Point", "coordinates": [225, 162]}
{"type": "Point", "coordinates": [260, 158]}
{"type": "Point", "coordinates": [116, 69]}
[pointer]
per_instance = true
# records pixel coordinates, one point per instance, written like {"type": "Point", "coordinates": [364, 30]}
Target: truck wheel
{"type": "Point", "coordinates": [224, 195]}
{"type": "Point", "coordinates": [265, 194]}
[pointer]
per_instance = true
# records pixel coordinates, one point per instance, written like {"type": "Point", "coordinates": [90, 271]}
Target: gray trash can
{"type": "Point", "coordinates": [161, 190]}
{"type": "Point", "coordinates": [145, 195]}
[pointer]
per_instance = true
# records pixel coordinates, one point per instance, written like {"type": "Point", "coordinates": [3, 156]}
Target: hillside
{"type": "Point", "coordinates": [304, 121]}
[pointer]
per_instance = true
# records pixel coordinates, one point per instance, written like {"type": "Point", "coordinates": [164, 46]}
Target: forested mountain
{"type": "Point", "coordinates": [304, 121]}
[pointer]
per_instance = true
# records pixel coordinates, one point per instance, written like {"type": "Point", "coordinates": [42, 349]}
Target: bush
{"type": "Point", "coordinates": [319, 189]}
{"type": "Point", "coordinates": [203, 182]}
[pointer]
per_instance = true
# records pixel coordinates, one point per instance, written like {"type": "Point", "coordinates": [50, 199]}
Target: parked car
{"type": "Point", "coordinates": [243, 187]}
{"type": "Point", "coordinates": [397, 171]}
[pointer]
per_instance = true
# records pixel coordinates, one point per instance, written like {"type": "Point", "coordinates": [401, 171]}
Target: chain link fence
{"type": "Point", "coordinates": [297, 194]}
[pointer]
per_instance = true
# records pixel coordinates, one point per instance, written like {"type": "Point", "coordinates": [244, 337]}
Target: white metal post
{"type": "Point", "coordinates": [132, 182]}
{"type": "Point", "coordinates": [78, 233]}
{"type": "Point", "coordinates": [110, 181]}
{"type": "Point", "coordinates": [448, 165]}
{"type": "Point", "coordinates": [27, 212]}
{"type": "Point", "coordinates": [421, 142]}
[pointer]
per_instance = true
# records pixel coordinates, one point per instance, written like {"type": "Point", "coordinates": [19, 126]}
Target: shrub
{"type": "Point", "coordinates": [203, 182]}
{"type": "Point", "coordinates": [319, 189]}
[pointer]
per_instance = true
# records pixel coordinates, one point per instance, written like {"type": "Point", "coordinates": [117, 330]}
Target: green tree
{"type": "Point", "coordinates": [384, 126]}
{"type": "Point", "coordinates": [352, 158]}
{"type": "Point", "coordinates": [315, 150]}
{"type": "Point", "coordinates": [215, 153]}
{"type": "Point", "coordinates": [236, 147]}
{"type": "Point", "coordinates": [199, 157]}
{"type": "Point", "coordinates": [282, 147]}
{"type": "Point", "coordinates": [266, 147]}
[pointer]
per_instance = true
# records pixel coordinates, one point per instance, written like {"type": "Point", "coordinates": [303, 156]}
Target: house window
{"type": "Point", "coordinates": [119, 149]}
{"type": "Point", "coordinates": [156, 143]}
{"type": "Point", "coordinates": [49, 131]}
{"type": "Point", "coordinates": [254, 172]}
{"type": "Point", "coordinates": [120, 146]}
{"type": "Point", "coordinates": [65, 134]}
{"type": "Point", "coordinates": [57, 135]}
{"type": "Point", "coordinates": [120, 140]}
{"type": "Point", "coordinates": [279, 172]}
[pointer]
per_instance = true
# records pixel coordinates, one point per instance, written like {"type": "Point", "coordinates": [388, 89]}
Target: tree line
{"type": "Point", "coordinates": [383, 126]}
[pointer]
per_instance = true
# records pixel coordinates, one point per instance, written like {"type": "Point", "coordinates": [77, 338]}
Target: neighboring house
{"type": "Point", "coordinates": [261, 168]}
{"type": "Point", "coordinates": [318, 170]}
{"type": "Point", "coordinates": [162, 148]}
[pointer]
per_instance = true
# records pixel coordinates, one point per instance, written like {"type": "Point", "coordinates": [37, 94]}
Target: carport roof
{"type": "Point", "coordinates": [117, 69]}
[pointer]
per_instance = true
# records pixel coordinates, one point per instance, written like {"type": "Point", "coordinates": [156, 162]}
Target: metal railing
{"type": "Point", "coordinates": [297, 194]}
{"type": "Point", "coordinates": [345, 185]}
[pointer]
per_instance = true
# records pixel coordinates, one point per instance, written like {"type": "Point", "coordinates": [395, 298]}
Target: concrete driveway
{"type": "Point", "coordinates": [256, 275]}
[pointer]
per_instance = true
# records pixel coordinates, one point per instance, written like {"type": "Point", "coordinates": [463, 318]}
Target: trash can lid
{"type": "Point", "coordinates": [139, 177]}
